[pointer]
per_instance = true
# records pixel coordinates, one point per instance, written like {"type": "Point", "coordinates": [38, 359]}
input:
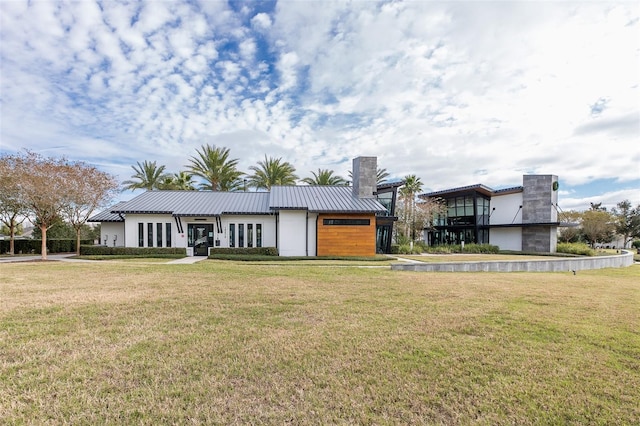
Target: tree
{"type": "Point", "coordinates": [87, 189]}
{"type": "Point", "coordinates": [148, 175]}
{"type": "Point", "coordinates": [13, 209]}
{"type": "Point", "coordinates": [182, 181]}
{"type": "Point", "coordinates": [570, 234]}
{"type": "Point", "coordinates": [597, 226]}
{"type": "Point", "coordinates": [412, 186]}
{"type": "Point", "coordinates": [272, 171]}
{"type": "Point", "coordinates": [214, 166]}
{"type": "Point", "coordinates": [324, 177]}
{"type": "Point", "coordinates": [627, 221]}
{"type": "Point", "coordinates": [43, 184]}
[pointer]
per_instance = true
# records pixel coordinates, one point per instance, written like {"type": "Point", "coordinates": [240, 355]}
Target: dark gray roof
{"type": "Point", "coordinates": [197, 203]}
{"type": "Point", "coordinates": [322, 199]}
{"type": "Point", "coordinates": [107, 216]}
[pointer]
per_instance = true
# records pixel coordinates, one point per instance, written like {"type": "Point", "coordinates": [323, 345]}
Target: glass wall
{"type": "Point", "coordinates": [466, 219]}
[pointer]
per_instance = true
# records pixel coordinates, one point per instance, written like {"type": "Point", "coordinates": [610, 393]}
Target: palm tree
{"type": "Point", "coordinates": [412, 186]}
{"type": "Point", "coordinates": [182, 181]}
{"type": "Point", "coordinates": [147, 176]}
{"type": "Point", "coordinates": [214, 166]}
{"type": "Point", "coordinates": [324, 177]}
{"type": "Point", "coordinates": [381, 175]}
{"type": "Point", "coordinates": [272, 171]}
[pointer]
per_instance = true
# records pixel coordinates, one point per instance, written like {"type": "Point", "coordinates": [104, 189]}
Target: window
{"type": "Point", "coordinates": [149, 234]}
{"type": "Point", "coordinates": [232, 235]}
{"type": "Point", "coordinates": [241, 235]}
{"type": "Point", "coordinates": [347, 222]}
{"type": "Point", "coordinates": [249, 235]}
{"type": "Point", "coordinates": [140, 234]}
{"type": "Point", "coordinates": [158, 235]}
{"type": "Point", "coordinates": [168, 234]}
{"type": "Point", "coordinates": [258, 235]}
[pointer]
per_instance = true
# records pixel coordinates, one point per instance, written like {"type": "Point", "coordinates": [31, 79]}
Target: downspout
{"type": "Point", "coordinates": [306, 235]}
{"type": "Point", "coordinates": [124, 230]}
{"type": "Point", "coordinates": [277, 233]}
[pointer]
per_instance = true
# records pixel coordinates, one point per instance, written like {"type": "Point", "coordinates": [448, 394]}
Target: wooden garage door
{"type": "Point", "coordinates": [346, 235]}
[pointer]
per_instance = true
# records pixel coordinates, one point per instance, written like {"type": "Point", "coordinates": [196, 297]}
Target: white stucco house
{"type": "Point", "coordinates": [297, 220]}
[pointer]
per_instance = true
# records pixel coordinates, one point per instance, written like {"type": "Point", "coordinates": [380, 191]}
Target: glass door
{"type": "Point", "coordinates": [200, 238]}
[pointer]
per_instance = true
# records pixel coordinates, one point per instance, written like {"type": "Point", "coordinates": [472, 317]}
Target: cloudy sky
{"type": "Point", "coordinates": [457, 93]}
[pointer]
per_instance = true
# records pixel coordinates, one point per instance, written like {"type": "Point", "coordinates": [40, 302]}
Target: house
{"type": "Point", "coordinates": [521, 218]}
{"type": "Point", "coordinates": [297, 220]}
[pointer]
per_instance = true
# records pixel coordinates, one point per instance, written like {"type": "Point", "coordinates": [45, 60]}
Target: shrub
{"type": "Point", "coordinates": [130, 251]}
{"type": "Point", "coordinates": [575, 248]}
{"type": "Point", "coordinates": [257, 251]}
{"type": "Point", "coordinates": [54, 245]}
{"type": "Point", "coordinates": [468, 248]}
{"type": "Point", "coordinates": [636, 244]}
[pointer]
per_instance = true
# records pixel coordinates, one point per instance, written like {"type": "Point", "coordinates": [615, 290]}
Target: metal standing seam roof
{"type": "Point", "coordinates": [322, 199]}
{"type": "Point", "coordinates": [196, 203]}
{"type": "Point", "coordinates": [107, 215]}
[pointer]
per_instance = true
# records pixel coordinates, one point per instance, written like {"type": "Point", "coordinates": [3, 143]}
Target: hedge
{"type": "Point", "coordinates": [129, 251]}
{"type": "Point", "coordinates": [35, 246]}
{"type": "Point", "coordinates": [258, 251]}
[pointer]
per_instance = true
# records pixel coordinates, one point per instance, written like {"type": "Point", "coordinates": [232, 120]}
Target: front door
{"type": "Point", "coordinates": [200, 238]}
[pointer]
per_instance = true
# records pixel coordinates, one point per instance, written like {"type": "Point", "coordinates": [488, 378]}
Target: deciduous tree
{"type": "Point", "coordinates": [13, 210]}
{"type": "Point", "coordinates": [87, 189]}
{"type": "Point", "coordinates": [627, 221]}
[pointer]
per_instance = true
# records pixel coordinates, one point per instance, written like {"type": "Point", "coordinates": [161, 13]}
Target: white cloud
{"type": "Point", "coordinates": [457, 93]}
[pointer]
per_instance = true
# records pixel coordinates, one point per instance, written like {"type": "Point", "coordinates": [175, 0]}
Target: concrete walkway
{"type": "Point", "coordinates": [187, 260]}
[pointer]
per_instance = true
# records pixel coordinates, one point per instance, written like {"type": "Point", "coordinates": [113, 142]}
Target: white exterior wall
{"type": "Point", "coordinates": [109, 230]}
{"type": "Point", "coordinates": [506, 238]}
{"type": "Point", "coordinates": [131, 229]}
{"type": "Point", "coordinates": [507, 209]}
{"type": "Point", "coordinates": [292, 228]}
{"type": "Point", "coordinates": [312, 235]}
{"type": "Point", "coordinates": [181, 239]}
{"type": "Point", "coordinates": [268, 229]}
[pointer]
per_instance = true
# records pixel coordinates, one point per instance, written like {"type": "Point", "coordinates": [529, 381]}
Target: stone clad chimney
{"type": "Point", "coordinates": [365, 177]}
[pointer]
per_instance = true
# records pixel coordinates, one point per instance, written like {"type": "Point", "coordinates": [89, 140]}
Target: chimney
{"type": "Point", "coordinates": [365, 177]}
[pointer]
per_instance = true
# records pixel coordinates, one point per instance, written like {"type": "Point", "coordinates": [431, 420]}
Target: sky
{"type": "Point", "coordinates": [457, 93]}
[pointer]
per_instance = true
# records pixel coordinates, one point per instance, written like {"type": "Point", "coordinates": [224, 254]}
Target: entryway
{"type": "Point", "coordinates": [200, 238]}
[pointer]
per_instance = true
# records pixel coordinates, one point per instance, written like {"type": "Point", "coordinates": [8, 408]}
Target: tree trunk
{"type": "Point", "coordinates": [43, 229]}
{"type": "Point", "coordinates": [78, 242]}
{"type": "Point", "coordinates": [12, 239]}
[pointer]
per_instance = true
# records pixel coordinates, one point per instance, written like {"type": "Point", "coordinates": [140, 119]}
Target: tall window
{"type": "Point", "coordinates": [232, 235]}
{"type": "Point", "coordinates": [241, 235]}
{"type": "Point", "coordinates": [168, 234]}
{"type": "Point", "coordinates": [158, 235]}
{"type": "Point", "coordinates": [140, 234]}
{"type": "Point", "coordinates": [249, 234]}
{"type": "Point", "coordinates": [149, 234]}
{"type": "Point", "coordinates": [258, 235]}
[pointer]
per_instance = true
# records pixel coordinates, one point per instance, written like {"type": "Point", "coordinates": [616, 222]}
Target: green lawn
{"type": "Point", "coordinates": [235, 343]}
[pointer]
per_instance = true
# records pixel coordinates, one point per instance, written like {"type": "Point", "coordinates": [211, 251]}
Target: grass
{"type": "Point", "coordinates": [235, 343]}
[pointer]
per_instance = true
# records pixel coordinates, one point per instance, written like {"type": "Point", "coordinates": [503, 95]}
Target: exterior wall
{"type": "Point", "coordinates": [538, 206]}
{"type": "Point", "coordinates": [346, 240]}
{"type": "Point", "coordinates": [109, 230]}
{"type": "Point", "coordinates": [268, 228]}
{"type": "Point", "coordinates": [292, 226]}
{"type": "Point", "coordinates": [507, 209]}
{"type": "Point", "coordinates": [506, 238]}
{"type": "Point", "coordinates": [131, 229]}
